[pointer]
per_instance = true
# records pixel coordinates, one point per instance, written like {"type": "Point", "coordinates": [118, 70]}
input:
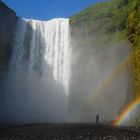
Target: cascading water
{"type": "Point", "coordinates": [49, 45]}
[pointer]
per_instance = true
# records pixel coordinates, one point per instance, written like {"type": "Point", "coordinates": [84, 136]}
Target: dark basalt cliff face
{"type": "Point", "coordinates": [8, 21]}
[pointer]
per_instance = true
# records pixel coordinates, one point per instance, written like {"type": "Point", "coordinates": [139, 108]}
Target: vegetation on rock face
{"type": "Point", "coordinates": [103, 21]}
{"type": "Point", "coordinates": [116, 18]}
{"type": "Point", "coordinates": [114, 13]}
{"type": "Point", "coordinates": [133, 33]}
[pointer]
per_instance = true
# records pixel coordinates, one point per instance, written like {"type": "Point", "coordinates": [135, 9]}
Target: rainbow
{"type": "Point", "coordinates": [112, 76]}
{"type": "Point", "coordinates": [128, 110]}
{"type": "Point", "coordinates": [124, 116]}
{"type": "Point", "coordinates": [106, 82]}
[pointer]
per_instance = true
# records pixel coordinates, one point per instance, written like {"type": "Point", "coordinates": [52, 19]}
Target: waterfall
{"type": "Point", "coordinates": [44, 44]}
{"type": "Point", "coordinates": [38, 80]}
{"type": "Point", "coordinates": [53, 78]}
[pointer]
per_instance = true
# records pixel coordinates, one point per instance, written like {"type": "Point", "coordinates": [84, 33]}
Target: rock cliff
{"type": "Point", "coordinates": [8, 21]}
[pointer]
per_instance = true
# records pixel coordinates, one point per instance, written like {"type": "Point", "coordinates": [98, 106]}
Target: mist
{"type": "Point", "coordinates": [100, 75]}
{"type": "Point", "coordinates": [59, 74]}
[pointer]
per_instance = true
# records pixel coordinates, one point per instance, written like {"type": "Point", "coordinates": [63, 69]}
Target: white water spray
{"type": "Point", "coordinates": [49, 45]}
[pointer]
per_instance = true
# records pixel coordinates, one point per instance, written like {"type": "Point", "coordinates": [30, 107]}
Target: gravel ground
{"type": "Point", "coordinates": [69, 132]}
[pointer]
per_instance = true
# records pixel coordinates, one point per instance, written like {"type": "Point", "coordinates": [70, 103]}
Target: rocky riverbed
{"type": "Point", "coordinates": [69, 132]}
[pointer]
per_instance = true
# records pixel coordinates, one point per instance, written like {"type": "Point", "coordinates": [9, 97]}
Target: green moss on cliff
{"type": "Point", "coordinates": [102, 22]}
{"type": "Point", "coordinates": [114, 13]}
{"type": "Point", "coordinates": [133, 33]}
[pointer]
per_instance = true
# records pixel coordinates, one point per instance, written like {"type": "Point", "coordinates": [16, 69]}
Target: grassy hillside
{"type": "Point", "coordinates": [119, 19]}
{"type": "Point", "coordinates": [114, 13]}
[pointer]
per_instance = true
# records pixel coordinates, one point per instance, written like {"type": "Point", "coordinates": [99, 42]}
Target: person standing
{"type": "Point", "coordinates": [97, 119]}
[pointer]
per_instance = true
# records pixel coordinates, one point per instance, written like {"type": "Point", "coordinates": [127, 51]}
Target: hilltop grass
{"type": "Point", "coordinates": [106, 10]}
{"type": "Point", "coordinates": [114, 13]}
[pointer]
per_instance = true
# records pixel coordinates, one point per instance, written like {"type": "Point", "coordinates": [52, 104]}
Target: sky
{"type": "Point", "coordinates": [48, 9]}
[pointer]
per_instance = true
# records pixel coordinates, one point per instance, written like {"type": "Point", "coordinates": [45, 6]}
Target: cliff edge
{"type": "Point", "coordinates": [8, 20]}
